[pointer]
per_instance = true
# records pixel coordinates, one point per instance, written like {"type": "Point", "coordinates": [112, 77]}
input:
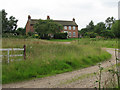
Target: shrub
{"type": "Point", "coordinates": [45, 36]}
{"type": "Point", "coordinates": [91, 34]}
{"type": "Point", "coordinates": [60, 36]}
{"type": "Point", "coordinates": [30, 33]}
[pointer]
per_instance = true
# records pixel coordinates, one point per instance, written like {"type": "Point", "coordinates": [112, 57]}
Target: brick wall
{"type": "Point", "coordinates": [29, 28]}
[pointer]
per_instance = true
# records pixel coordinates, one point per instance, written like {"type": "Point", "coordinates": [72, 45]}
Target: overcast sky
{"type": "Point", "coordinates": [82, 10]}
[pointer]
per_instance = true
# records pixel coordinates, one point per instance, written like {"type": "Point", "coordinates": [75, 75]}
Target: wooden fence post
{"type": "Point", "coordinates": [24, 52]}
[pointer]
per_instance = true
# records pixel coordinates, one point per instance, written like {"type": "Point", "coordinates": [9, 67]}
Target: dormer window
{"type": "Point", "coordinates": [69, 27]}
{"type": "Point", "coordinates": [65, 27]}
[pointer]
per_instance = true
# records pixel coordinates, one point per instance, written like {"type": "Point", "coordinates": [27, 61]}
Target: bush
{"type": "Point", "coordinates": [11, 35]}
{"type": "Point", "coordinates": [107, 34]}
{"type": "Point", "coordinates": [60, 36]}
{"type": "Point", "coordinates": [91, 34]}
{"type": "Point", "coordinates": [21, 31]}
{"type": "Point", "coordinates": [30, 33]}
{"type": "Point", "coordinates": [45, 36]}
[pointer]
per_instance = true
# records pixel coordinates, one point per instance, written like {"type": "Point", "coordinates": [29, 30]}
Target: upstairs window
{"type": "Point", "coordinates": [73, 27]}
{"type": "Point", "coordinates": [65, 27]}
{"type": "Point", "coordinates": [69, 27]}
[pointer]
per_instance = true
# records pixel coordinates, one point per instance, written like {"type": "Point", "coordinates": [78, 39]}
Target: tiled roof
{"type": "Point", "coordinates": [62, 22]}
{"type": "Point", "coordinates": [33, 21]}
{"type": "Point", "coordinates": [66, 23]}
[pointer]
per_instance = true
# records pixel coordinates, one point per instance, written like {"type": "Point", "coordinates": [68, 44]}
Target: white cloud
{"type": "Point", "coordinates": [82, 10]}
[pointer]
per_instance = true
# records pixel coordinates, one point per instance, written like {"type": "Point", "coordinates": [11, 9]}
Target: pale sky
{"type": "Point", "coordinates": [82, 10]}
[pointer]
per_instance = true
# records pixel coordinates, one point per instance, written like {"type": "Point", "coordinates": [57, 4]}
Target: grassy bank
{"type": "Point", "coordinates": [45, 58]}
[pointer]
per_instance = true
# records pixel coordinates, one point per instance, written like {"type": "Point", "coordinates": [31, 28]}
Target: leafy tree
{"type": "Point", "coordinates": [8, 25]}
{"type": "Point", "coordinates": [99, 28]}
{"type": "Point", "coordinates": [83, 31]}
{"type": "Point", "coordinates": [20, 31]}
{"type": "Point", "coordinates": [4, 21]}
{"type": "Point", "coordinates": [116, 28]}
{"type": "Point", "coordinates": [91, 34]}
{"type": "Point", "coordinates": [109, 21]}
{"type": "Point", "coordinates": [107, 34]}
{"type": "Point", "coordinates": [90, 27]}
{"type": "Point", "coordinates": [47, 27]}
{"type": "Point", "coordinates": [12, 23]}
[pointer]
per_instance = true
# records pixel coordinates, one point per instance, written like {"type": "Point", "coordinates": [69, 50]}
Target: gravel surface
{"type": "Point", "coordinates": [83, 78]}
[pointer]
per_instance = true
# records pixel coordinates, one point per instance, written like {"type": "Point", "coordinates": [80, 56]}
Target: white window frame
{"type": "Point", "coordinates": [74, 34]}
{"type": "Point", "coordinates": [69, 34]}
{"type": "Point", "coordinates": [74, 27]}
{"type": "Point", "coordinates": [69, 27]}
{"type": "Point", "coordinates": [65, 27]}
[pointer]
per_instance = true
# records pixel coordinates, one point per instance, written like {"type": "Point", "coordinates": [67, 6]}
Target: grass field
{"type": "Point", "coordinates": [45, 58]}
{"type": "Point", "coordinates": [109, 43]}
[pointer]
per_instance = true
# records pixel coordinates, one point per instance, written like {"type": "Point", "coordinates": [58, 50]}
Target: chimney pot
{"type": "Point", "coordinates": [48, 17]}
{"type": "Point", "coordinates": [74, 19]}
{"type": "Point", "coordinates": [29, 17]}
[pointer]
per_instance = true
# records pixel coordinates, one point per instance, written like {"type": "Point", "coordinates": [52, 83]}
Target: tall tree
{"type": "Point", "coordinates": [4, 22]}
{"type": "Point", "coordinates": [109, 21]}
{"type": "Point", "coordinates": [12, 23]}
{"type": "Point", "coordinates": [8, 25]}
{"type": "Point", "coordinates": [90, 27]}
{"type": "Point", "coordinates": [116, 28]}
{"type": "Point", "coordinates": [100, 27]}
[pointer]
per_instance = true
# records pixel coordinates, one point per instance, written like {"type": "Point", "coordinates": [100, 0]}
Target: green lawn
{"type": "Point", "coordinates": [64, 40]}
{"type": "Point", "coordinates": [45, 58]}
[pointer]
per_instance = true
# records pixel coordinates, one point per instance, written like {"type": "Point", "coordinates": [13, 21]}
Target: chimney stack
{"type": "Point", "coordinates": [48, 17]}
{"type": "Point", "coordinates": [29, 17]}
{"type": "Point", "coordinates": [74, 19]}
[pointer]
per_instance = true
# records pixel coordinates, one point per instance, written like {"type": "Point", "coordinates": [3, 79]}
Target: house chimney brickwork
{"type": "Point", "coordinates": [28, 26]}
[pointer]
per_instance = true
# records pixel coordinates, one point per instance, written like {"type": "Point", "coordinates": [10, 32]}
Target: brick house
{"type": "Point", "coordinates": [69, 26]}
